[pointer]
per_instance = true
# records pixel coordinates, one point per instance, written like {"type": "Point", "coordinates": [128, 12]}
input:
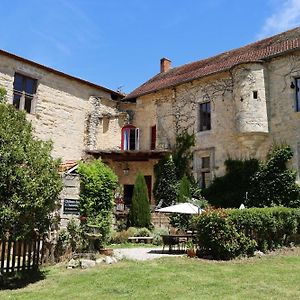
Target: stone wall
{"type": "Point", "coordinates": [70, 191]}
{"type": "Point", "coordinates": [146, 167]}
{"type": "Point", "coordinates": [62, 106]}
{"type": "Point", "coordinates": [252, 107]}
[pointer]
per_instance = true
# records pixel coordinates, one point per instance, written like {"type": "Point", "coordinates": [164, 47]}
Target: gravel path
{"type": "Point", "coordinates": [143, 253]}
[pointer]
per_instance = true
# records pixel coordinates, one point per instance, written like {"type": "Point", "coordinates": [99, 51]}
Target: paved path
{"type": "Point", "coordinates": [143, 253]}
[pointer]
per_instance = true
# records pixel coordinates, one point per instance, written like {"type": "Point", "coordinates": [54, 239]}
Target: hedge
{"type": "Point", "coordinates": [228, 233]}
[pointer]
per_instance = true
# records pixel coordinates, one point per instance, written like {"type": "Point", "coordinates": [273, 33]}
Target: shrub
{"type": "Point", "coordinates": [157, 233]}
{"type": "Point", "coordinates": [120, 237]}
{"type": "Point", "coordinates": [225, 234]}
{"type": "Point", "coordinates": [184, 190]}
{"type": "Point", "coordinates": [165, 186]}
{"type": "Point", "coordinates": [217, 237]}
{"type": "Point", "coordinates": [132, 231]}
{"type": "Point", "coordinates": [269, 227]}
{"type": "Point", "coordinates": [230, 190]}
{"type": "Point", "coordinates": [143, 232]}
{"type": "Point", "coordinates": [97, 183]}
{"type": "Point", "coordinates": [274, 184]}
{"type": "Point", "coordinates": [182, 154]}
{"type": "Point", "coordinates": [29, 179]}
{"type": "Point", "coordinates": [181, 221]}
{"type": "Point", "coordinates": [139, 214]}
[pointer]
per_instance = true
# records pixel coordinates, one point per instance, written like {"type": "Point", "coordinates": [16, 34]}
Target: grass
{"type": "Point", "coordinates": [270, 277]}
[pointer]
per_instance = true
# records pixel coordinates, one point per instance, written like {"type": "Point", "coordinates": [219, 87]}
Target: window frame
{"type": "Point", "coordinates": [24, 96]}
{"type": "Point", "coordinates": [130, 135]}
{"type": "Point", "coordinates": [204, 116]}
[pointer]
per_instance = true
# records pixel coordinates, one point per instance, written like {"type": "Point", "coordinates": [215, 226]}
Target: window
{"type": "Point", "coordinates": [255, 95]}
{"type": "Point", "coordinates": [205, 171]}
{"type": "Point", "coordinates": [297, 94]}
{"type": "Point", "coordinates": [153, 137]}
{"type": "Point", "coordinates": [130, 138]}
{"type": "Point", "coordinates": [24, 91]}
{"type": "Point", "coordinates": [204, 115]}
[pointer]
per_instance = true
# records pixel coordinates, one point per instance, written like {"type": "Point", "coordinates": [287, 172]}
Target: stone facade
{"type": "Point", "coordinates": [61, 108]}
{"type": "Point", "coordinates": [252, 107]}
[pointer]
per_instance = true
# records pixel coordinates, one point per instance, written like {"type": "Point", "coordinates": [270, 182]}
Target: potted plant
{"type": "Point", "coordinates": [190, 249]}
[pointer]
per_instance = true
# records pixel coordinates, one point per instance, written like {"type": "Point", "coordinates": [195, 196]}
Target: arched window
{"type": "Point", "coordinates": [130, 138]}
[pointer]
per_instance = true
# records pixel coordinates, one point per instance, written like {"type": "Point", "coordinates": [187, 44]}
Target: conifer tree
{"type": "Point", "coordinates": [165, 186]}
{"type": "Point", "coordinates": [184, 191]}
{"type": "Point", "coordinates": [139, 214]}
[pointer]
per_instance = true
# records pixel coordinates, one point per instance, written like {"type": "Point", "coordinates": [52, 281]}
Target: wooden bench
{"type": "Point", "coordinates": [140, 239]}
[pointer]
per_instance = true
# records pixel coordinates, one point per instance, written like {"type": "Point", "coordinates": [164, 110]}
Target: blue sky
{"type": "Point", "coordinates": [118, 43]}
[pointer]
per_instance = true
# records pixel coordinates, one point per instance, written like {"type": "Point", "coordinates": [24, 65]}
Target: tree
{"type": "Point", "coordinates": [165, 186]}
{"type": "Point", "coordinates": [2, 95]}
{"type": "Point", "coordinates": [274, 184]}
{"type": "Point", "coordinates": [29, 179]}
{"type": "Point", "coordinates": [97, 184]}
{"type": "Point", "coordinates": [184, 191]}
{"type": "Point", "coordinates": [139, 214]}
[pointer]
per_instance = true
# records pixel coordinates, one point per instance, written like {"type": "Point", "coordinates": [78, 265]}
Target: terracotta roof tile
{"type": "Point", "coordinates": [258, 51]}
{"type": "Point", "coordinates": [67, 165]}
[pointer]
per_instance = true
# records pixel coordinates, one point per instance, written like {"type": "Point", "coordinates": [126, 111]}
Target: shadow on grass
{"type": "Point", "coordinates": [166, 251]}
{"type": "Point", "coordinates": [20, 279]}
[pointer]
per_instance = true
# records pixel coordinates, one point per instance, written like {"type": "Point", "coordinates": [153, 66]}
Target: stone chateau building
{"type": "Point", "coordinates": [237, 103]}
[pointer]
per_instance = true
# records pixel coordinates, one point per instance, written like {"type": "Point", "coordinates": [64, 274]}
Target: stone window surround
{"type": "Point", "coordinates": [197, 164]}
{"type": "Point", "coordinates": [33, 76]}
{"type": "Point", "coordinates": [201, 122]}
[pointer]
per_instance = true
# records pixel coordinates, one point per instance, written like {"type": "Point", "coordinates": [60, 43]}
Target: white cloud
{"type": "Point", "coordinates": [286, 16]}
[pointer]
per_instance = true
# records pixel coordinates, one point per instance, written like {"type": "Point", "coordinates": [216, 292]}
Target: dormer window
{"type": "Point", "coordinates": [130, 138]}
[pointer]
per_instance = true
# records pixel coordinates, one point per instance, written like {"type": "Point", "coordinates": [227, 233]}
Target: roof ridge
{"type": "Point", "coordinates": [255, 51]}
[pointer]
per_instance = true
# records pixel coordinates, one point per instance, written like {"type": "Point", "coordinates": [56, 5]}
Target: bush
{"type": "Point", "coordinates": [269, 227]}
{"type": "Point", "coordinates": [157, 233]}
{"type": "Point", "coordinates": [165, 186]}
{"type": "Point", "coordinates": [143, 232]}
{"type": "Point", "coordinates": [230, 190]}
{"type": "Point", "coordinates": [120, 237]}
{"type": "Point", "coordinates": [181, 221]}
{"type": "Point", "coordinates": [225, 234]}
{"type": "Point", "coordinates": [184, 190]}
{"type": "Point", "coordinates": [217, 237]}
{"type": "Point", "coordinates": [139, 214]}
{"type": "Point", "coordinates": [29, 179]}
{"type": "Point", "coordinates": [182, 154]}
{"type": "Point", "coordinates": [274, 184]}
{"type": "Point", "coordinates": [97, 183]}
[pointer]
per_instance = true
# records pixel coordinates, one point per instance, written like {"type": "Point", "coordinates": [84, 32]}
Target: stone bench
{"type": "Point", "coordinates": [140, 239]}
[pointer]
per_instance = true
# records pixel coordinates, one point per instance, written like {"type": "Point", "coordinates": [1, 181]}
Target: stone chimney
{"type": "Point", "coordinates": [165, 65]}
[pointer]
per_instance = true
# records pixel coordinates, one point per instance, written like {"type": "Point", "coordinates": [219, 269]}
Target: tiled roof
{"type": "Point", "coordinates": [264, 49]}
{"type": "Point", "coordinates": [67, 165]}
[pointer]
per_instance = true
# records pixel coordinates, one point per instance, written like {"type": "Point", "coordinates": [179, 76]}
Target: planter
{"type": "Point", "coordinates": [191, 252]}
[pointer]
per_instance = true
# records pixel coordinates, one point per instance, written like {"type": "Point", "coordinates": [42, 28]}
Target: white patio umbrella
{"type": "Point", "coordinates": [182, 208]}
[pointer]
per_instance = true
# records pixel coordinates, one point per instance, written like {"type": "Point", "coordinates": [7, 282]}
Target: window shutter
{"type": "Point", "coordinates": [153, 137]}
{"type": "Point", "coordinates": [137, 139]}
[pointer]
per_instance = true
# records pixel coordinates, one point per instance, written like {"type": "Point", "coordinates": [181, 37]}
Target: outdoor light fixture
{"type": "Point", "coordinates": [126, 169]}
{"type": "Point", "coordinates": [292, 85]}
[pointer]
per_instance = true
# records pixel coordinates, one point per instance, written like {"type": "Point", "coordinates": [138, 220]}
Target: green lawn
{"type": "Point", "coordinates": [271, 277]}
